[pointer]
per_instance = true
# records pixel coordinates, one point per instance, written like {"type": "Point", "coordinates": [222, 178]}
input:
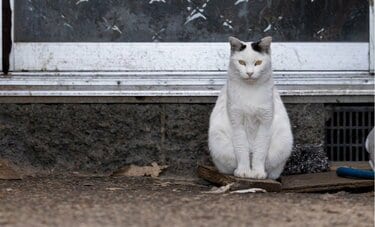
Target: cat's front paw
{"type": "Point", "coordinates": [258, 174]}
{"type": "Point", "coordinates": [242, 172]}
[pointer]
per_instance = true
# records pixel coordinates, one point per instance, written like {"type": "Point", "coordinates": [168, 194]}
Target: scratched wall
{"type": "Point", "coordinates": [100, 138]}
{"type": "Point", "coordinates": [190, 20]}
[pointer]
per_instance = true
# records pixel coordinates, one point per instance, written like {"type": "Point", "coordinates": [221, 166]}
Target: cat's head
{"type": "Point", "coordinates": [251, 61]}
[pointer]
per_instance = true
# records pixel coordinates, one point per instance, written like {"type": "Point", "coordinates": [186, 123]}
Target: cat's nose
{"type": "Point", "coordinates": [249, 74]}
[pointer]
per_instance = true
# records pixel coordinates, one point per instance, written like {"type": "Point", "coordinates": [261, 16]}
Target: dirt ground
{"type": "Point", "coordinates": [124, 201]}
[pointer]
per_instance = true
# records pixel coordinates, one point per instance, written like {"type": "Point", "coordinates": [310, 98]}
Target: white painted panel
{"type": "Point", "coordinates": [372, 36]}
{"type": "Point", "coordinates": [181, 56]}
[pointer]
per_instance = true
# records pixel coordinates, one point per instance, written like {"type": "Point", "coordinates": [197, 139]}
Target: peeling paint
{"type": "Point", "coordinates": [81, 1]}
{"type": "Point", "coordinates": [152, 1]}
{"type": "Point", "coordinates": [268, 28]}
{"type": "Point", "coordinates": [240, 1]}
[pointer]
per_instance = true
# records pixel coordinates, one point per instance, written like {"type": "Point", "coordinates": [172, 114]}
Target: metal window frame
{"type": "Point", "coordinates": [156, 62]}
{"type": "Point", "coordinates": [372, 37]}
{"type": "Point", "coordinates": [1, 36]}
{"type": "Point", "coordinates": [301, 56]}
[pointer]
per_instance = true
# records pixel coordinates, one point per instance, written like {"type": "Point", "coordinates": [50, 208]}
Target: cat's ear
{"type": "Point", "coordinates": [263, 45]}
{"type": "Point", "coordinates": [236, 44]}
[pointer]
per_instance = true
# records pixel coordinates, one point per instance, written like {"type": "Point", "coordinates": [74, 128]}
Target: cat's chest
{"type": "Point", "coordinates": [253, 116]}
{"type": "Point", "coordinates": [252, 105]}
{"type": "Point", "coordinates": [251, 112]}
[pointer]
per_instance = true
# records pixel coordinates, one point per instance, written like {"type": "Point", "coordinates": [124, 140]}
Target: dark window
{"type": "Point", "coordinates": [190, 20]}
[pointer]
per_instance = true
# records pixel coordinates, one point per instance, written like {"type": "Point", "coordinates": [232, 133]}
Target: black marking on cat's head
{"type": "Point", "coordinates": [256, 46]}
{"type": "Point", "coordinates": [236, 44]}
{"type": "Point", "coordinates": [243, 46]}
{"type": "Point", "coordinates": [263, 45]}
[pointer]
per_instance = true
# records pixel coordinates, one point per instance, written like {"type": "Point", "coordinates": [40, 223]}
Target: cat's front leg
{"type": "Point", "coordinates": [241, 146]}
{"type": "Point", "coordinates": [242, 152]}
{"type": "Point", "coordinates": [260, 151]}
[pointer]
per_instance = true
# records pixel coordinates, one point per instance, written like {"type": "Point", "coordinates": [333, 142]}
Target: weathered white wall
{"type": "Point", "coordinates": [181, 56]}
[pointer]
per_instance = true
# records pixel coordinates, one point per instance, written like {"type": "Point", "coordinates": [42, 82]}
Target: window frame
{"type": "Point", "coordinates": [1, 35]}
{"type": "Point", "coordinates": [161, 63]}
{"type": "Point", "coordinates": [372, 37]}
{"type": "Point", "coordinates": [106, 56]}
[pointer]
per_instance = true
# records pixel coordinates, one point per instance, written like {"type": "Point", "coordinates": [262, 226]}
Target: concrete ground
{"type": "Point", "coordinates": [123, 201]}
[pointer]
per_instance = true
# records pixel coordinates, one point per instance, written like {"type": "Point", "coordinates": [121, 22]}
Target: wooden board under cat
{"type": "Point", "coordinates": [312, 182]}
{"type": "Point", "coordinates": [211, 175]}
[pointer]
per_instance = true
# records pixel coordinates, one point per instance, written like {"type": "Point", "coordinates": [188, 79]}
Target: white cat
{"type": "Point", "coordinates": [250, 134]}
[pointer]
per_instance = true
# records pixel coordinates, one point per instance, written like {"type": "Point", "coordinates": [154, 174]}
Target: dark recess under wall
{"type": "Point", "coordinates": [346, 129]}
{"type": "Point", "coordinates": [7, 38]}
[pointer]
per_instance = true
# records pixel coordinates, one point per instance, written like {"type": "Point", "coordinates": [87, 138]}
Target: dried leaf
{"type": "Point", "coordinates": [138, 171]}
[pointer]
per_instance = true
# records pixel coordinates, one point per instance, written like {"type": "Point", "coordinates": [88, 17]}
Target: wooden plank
{"type": "Point", "coordinates": [314, 182]}
{"type": "Point", "coordinates": [210, 174]}
{"type": "Point", "coordinates": [358, 165]}
{"type": "Point", "coordinates": [322, 182]}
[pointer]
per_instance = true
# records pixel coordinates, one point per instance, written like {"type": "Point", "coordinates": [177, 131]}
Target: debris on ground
{"type": "Point", "coordinates": [323, 182]}
{"type": "Point", "coordinates": [250, 190]}
{"type": "Point", "coordinates": [139, 171]}
{"type": "Point", "coordinates": [312, 182]}
{"type": "Point", "coordinates": [228, 187]}
{"type": "Point", "coordinates": [174, 180]}
{"type": "Point", "coordinates": [219, 190]}
{"type": "Point", "coordinates": [8, 173]}
{"type": "Point", "coordinates": [114, 189]}
{"type": "Point", "coordinates": [212, 175]}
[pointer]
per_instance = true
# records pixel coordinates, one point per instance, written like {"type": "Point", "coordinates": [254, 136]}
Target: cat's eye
{"type": "Point", "coordinates": [258, 62]}
{"type": "Point", "coordinates": [242, 62]}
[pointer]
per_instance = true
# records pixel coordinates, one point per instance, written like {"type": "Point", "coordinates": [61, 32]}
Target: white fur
{"type": "Point", "coordinates": [250, 134]}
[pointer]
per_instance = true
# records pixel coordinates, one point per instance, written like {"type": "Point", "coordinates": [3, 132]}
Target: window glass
{"type": "Point", "coordinates": [190, 20]}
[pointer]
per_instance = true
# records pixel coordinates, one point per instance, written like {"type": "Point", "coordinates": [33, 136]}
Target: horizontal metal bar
{"type": "Point", "coordinates": [333, 86]}
{"type": "Point", "coordinates": [173, 99]}
{"type": "Point", "coordinates": [176, 80]}
{"type": "Point", "coordinates": [316, 92]}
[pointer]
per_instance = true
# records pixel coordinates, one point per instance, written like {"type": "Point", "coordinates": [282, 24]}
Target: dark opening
{"type": "Point", "coordinates": [346, 131]}
{"type": "Point", "coordinates": [7, 38]}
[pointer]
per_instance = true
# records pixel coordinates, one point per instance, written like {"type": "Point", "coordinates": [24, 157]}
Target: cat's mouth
{"type": "Point", "coordinates": [249, 79]}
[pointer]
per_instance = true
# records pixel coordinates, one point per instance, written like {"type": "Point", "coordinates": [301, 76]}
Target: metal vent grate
{"type": "Point", "coordinates": [346, 132]}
